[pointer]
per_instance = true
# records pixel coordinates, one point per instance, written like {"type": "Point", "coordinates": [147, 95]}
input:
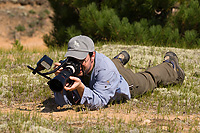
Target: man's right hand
{"type": "Point", "coordinates": [56, 65]}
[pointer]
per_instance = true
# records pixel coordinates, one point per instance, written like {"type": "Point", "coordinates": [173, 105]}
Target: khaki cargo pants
{"type": "Point", "coordinates": [142, 82]}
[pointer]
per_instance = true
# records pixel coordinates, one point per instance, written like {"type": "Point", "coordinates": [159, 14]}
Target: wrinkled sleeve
{"type": "Point", "coordinates": [102, 90]}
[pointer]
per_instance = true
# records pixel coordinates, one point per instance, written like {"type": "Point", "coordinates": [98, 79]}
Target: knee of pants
{"type": "Point", "coordinates": [137, 90]}
{"type": "Point", "coordinates": [142, 84]}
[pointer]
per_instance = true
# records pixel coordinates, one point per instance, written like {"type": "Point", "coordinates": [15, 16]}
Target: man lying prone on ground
{"type": "Point", "coordinates": [102, 80]}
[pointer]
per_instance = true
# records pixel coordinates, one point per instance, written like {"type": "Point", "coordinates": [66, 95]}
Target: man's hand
{"type": "Point", "coordinates": [77, 85]}
{"type": "Point", "coordinates": [56, 65]}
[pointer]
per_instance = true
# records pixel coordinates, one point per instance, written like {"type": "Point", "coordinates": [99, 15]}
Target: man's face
{"type": "Point", "coordinates": [86, 65]}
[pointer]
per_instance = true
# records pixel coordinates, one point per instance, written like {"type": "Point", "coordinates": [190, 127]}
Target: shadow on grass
{"type": "Point", "coordinates": [50, 105]}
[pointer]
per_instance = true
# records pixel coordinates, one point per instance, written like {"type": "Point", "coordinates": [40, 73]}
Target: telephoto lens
{"type": "Point", "coordinates": [58, 82]}
{"type": "Point", "coordinates": [70, 68]}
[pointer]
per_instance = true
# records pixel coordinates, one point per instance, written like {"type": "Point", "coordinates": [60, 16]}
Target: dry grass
{"type": "Point", "coordinates": [27, 103]}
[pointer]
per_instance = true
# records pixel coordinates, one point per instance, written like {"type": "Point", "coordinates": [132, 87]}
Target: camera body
{"type": "Point", "coordinates": [71, 67]}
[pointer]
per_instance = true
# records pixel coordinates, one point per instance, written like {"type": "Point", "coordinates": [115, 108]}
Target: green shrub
{"type": "Point", "coordinates": [49, 40]}
{"type": "Point", "coordinates": [155, 33]}
{"type": "Point", "coordinates": [103, 20]}
{"type": "Point", "coordinates": [72, 31]}
{"type": "Point", "coordinates": [141, 31]}
{"type": "Point", "coordinates": [90, 20]}
{"type": "Point", "coordinates": [32, 12]}
{"type": "Point", "coordinates": [191, 38]}
{"type": "Point", "coordinates": [142, 21]}
{"type": "Point", "coordinates": [187, 17]}
{"type": "Point", "coordinates": [171, 37]}
{"type": "Point", "coordinates": [125, 31]}
{"type": "Point", "coordinates": [17, 45]}
{"type": "Point", "coordinates": [104, 24]}
{"type": "Point", "coordinates": [20, 28]}
{"type": "Point", "coordinates": [135, 10]}
{"type": "Point", "coordinates": [32, 24]}
{"type": "Point", "coordinates": [65, 15]}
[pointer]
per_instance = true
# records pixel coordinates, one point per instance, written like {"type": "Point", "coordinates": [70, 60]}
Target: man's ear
{"type": "Point", "coordinates": [93, 56]}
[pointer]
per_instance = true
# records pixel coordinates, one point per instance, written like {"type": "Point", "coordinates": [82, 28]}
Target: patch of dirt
{"type": "Point", "coordinates": [26, 22]}
{"type": "Point", "coordinates": [49, 109]}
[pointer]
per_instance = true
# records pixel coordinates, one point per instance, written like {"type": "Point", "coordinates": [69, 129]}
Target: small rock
{"type": "Point", "coordinates": [146, 121]}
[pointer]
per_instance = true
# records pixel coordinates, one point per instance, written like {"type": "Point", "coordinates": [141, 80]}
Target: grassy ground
{"type": "Point", "coordinates": [27, 105]}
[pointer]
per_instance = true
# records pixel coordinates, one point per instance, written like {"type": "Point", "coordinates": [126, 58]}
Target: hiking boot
{"type": "Point", "coordinates": [123, 57]}
{"type": "Point", "coordinates": [172, 58]}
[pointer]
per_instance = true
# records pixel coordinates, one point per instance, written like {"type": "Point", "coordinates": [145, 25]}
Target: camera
{"type": "Point", "coordinates": [71, 67]}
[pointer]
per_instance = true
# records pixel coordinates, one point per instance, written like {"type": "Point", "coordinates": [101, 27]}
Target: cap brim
{"type": "Point", "coordinates": [76, 54]}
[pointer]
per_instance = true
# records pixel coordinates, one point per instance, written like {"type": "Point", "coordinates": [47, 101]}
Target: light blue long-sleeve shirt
{"type": "Point", "coordinates": [105, 85]}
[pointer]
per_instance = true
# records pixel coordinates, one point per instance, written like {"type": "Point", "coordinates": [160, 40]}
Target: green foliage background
{"type": "Point", "coordinates": [148, 22]}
